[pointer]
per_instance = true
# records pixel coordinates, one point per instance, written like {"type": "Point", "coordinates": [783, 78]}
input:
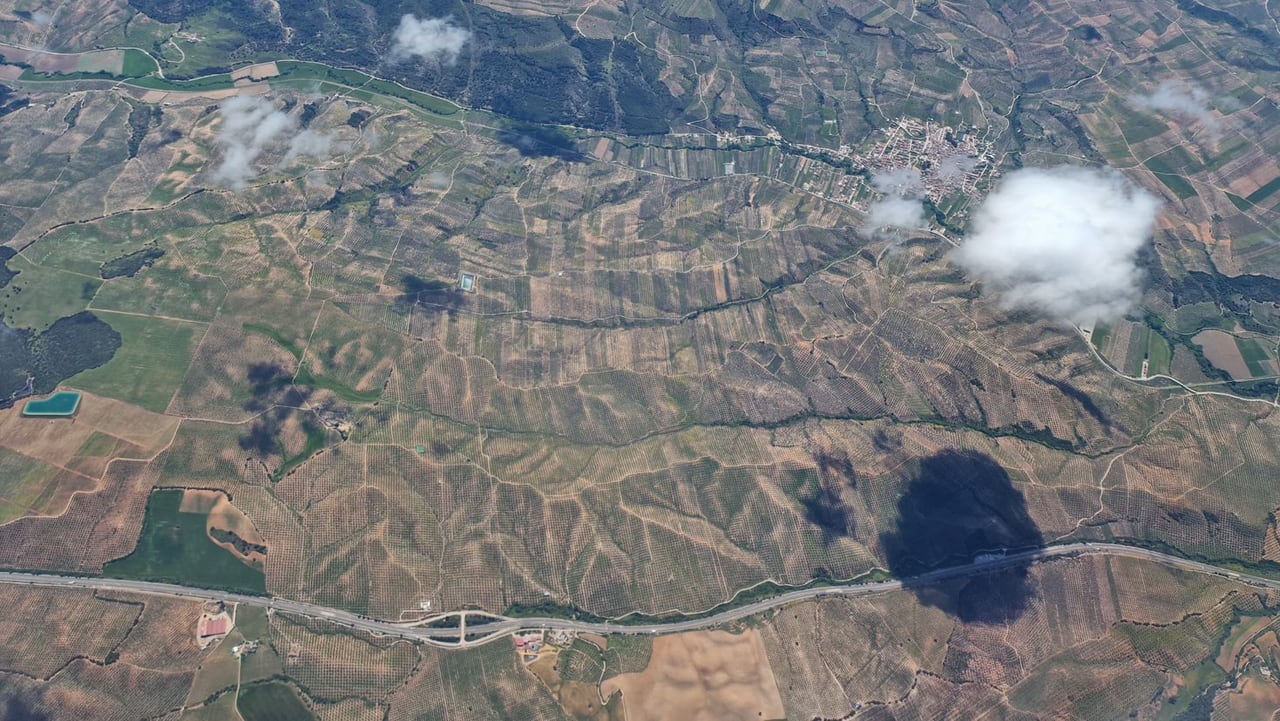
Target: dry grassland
{"type": "Point", "coordinates": [701, 676]}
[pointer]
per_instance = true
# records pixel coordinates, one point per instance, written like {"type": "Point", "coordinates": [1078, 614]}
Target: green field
{"type": "Point", "coordinates": [299, 70]}
{"type": "Point", "coordinates": [137, 63]}
{"type": "Point", "coordinates": [1099, 337]}
{"type": "Point", "coordinates": [221, 81]}
{"type": "Point", "coordinates": [174, 548]}
{"type": "Point", "coordinates": [1241, 204]}
{"type": "Point", "coordinates": [1265, 191]}
{"type": "Point", "coordinates": [1159, 354]}
{"type": "Point", "coordinates": [271, 701]}
{"type": "Point", "coordinates": [150, 364]}
{"type": "Point", "coordinates": [24, 483]}
{"type": "Point", "coordinates": [1254, 356]}
{"type": "Point", "coordinates": [1171, 178]}
{"type": "Point", "coordinates": [41, 295]}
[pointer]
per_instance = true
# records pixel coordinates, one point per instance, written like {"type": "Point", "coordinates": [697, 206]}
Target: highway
{"type": "Point", "coordinates": [504, 626]}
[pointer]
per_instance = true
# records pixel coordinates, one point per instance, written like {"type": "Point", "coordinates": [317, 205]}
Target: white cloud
{"type": "Point", "coordinates": [1062, 241]}
{"type": "Point", "coordinates": [901, 181]}
{"type": "Point", "coordinates": [252, 125]}
{"type": "Point", "coordinates": [309, 144]}
{"type": "Point", "coordinates": [900, 208]}
{"type": "Point", "coordinates": [895, 212]}
{"type": "Point", "coordinates": [1181, 101]}
{"type": "Point", "coordinates": [430, 38]}
{"type": "Point", "coordinates": [41, 17]}
{"type": "Point", "coordinates": [438, 180]}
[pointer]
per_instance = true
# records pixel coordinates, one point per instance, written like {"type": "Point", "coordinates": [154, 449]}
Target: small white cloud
{"type": "Point", "coordinates": [429, 38]}
{"type": "Point", "coordinates": [438, 180]}
{"type": "Point", "coordinates": [41, 17]}
{"type": "Point", "coordinates": [893, 211]}
{"type": "Point", "coordinates": [900, 181]}
{"type": "Point", "coordinates": [1062, 241]}
{"type": "Point", "coordinates": [901, 207]}
{"type": "Point", "coordinates": [1182, 101]}
{"type": "Point", "coordinates": [251, 126]}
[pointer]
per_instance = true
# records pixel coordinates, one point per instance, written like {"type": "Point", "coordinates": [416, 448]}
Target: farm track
{"type": "Point", "coordinates": [498, 626]}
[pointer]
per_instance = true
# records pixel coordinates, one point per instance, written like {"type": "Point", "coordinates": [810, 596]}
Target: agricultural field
{"type": "Point", "coordinates": [178, 545]}
{"type": "Point", "coordinates": [1159, 642]}
{"type": "Point", "coordinates": [379, 330]}
{"type": "Point", "coordinates": [711, 675]}
{"type": "Point", "coordinates": [1163, 640]}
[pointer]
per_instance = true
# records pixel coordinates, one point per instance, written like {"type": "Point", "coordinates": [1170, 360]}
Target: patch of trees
{"type": "Point", "coordinates": [141, 118]}
{"type": "Point", "coordinates": [1233, 292]}
{"type": "Point", "coordinates": [243, 547]}
{"type": "Point", "coordinates": [8, 102]}
{"type": "Point", "coordinates": [37, 362]}
{"type": "Point", "coordinates": [247, 17]}
{"type": "Point", "coordinates": [6, 273]}
{"type": "Point", "coordinates": [128, 265]}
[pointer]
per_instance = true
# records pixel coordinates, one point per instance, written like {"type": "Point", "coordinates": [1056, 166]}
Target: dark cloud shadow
{"type": "Point", "coordinates": [959, 505]}
{"type": "Point", "coordinates": [540, 141]}
{"type": "Point", "coordinates": [825, 506]}
{"type": "Point", "coordinates": [1084, 399]}
{"type": "Point", "coordinates": [275, 399]}
{"type": "Point", "coordinates": [429, 295]}
{"type": "Point", "coordinates": [15, 705]}
{"type": "Point", "coordinates": [886, 441]}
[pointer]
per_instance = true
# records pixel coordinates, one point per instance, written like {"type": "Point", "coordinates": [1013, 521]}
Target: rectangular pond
{"type": "Point", "coordinates": [58, 405]}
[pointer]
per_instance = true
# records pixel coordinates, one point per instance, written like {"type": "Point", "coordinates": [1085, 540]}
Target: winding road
{"type": "Point", "coordinates": [498, 627]}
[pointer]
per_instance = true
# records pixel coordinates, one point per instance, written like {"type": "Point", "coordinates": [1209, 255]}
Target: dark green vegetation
{"type": "Point", "coordinates": [128, 265]}
{"type": "Point", "coordinates": [10, 102]}
{"type": "Point", "coordinates": [580, 81]}
{"type": "Point", "coordinates": [37, 362]}
{"type": "Point", "coordinates": [1265, 191]}
{"type": "Point", "coordinates": [6, 273]}
{"type": "Point", "coordinates": [244, 547]}
{"type": "Point", "coordinates": [271, 701]}
{"type": "Point", "coordinates": [58, 404]}
{"type": "Point", "coordinates": [175, 548]}
{"type": "Point", "coordinates": [141, 119]}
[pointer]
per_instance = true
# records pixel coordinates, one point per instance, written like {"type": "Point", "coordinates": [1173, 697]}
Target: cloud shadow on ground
{"type": "Point", "coordinates": [956, 506]}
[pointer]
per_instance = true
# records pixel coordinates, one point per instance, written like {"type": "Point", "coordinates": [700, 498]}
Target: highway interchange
{"type": "Point", "coordinates": [499, 626]}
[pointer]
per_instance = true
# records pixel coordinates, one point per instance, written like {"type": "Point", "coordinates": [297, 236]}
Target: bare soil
{"type": "Point", "coordinates": [701, 676]}
{"type": "Point", "coordinates": [1221, 350]}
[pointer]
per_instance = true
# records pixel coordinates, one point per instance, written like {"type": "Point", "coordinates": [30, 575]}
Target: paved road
{"type": "Point", "coordinates": [448, 637]}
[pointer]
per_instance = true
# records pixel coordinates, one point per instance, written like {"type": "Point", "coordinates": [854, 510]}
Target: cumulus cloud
{"type": "Point", "coordinates": [1181, 101]}
{"type": "Point", "coordinates": [252, 125]}
{"type": "Point", "coordinates": [430, 38]}
{"type": "Point", "coordinates": [900, 208]}
{"type": "Point", "coordinates": [42, 17]}
{"type": "Point", "coordinates": [1062, 241]}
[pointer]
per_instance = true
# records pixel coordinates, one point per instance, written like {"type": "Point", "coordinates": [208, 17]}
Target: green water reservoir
{"type": "Point", "coordinates": [58, 405]}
